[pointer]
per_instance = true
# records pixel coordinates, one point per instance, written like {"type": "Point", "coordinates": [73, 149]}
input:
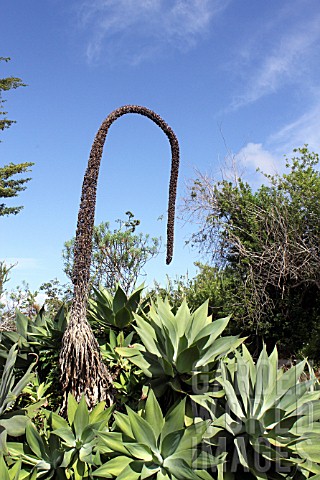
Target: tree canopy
{"type": "Point", "coordinates": [10, 185]}
{"type": "Point", "coordinates": [118, 255]}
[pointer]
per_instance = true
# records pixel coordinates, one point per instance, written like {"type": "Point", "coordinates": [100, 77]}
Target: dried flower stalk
{"type": "Point", "coordinates": [83, 371]}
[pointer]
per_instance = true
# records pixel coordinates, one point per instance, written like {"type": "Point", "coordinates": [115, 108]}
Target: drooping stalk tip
{"type": "Point", "coordinates": [83, 242]}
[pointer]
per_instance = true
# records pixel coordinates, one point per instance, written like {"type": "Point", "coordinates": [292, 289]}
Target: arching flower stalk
{"type": "Point", "coordinates": [83, 371]}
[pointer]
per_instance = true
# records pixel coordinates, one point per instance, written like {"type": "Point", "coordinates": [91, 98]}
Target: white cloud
{"type": "Point", "coordinates": [254, 156]}
{"type": "Point", "coordinates": [269, 157]}
{"type": "Point", "coordinates": [288, 60]}
{"type": "Point", "coordinates": [304, 129]}
{"type": "Point", "coordinates": [134, 30]}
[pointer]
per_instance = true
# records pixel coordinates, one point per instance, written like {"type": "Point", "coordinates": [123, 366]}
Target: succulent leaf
{"type": "Point", "coordinates": [152, 445]}
{"type": "Point", "coordinates": [269, 416]}
{"type": "Point", "coordinates": [179, 352]}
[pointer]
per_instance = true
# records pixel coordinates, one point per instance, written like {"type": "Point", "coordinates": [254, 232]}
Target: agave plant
{"type": "Point", "coordinates": [41, 457]}
{"type": "Point", "coordinates": [14, 473]}
{"type": "Point", "coordinates": [66, 448]}
{"type": "Point", "coordinates": [12, 422]}
{"type": "Point", "coordinates": [77, 433]}
{"type": "Point", "coordinates": [270, 425]}
{"type": "Point", "coordinates": [41, 335]}
{"type": "Point", "coordinates": [83, 371]}
{"type": "Point", "coordinates": [127, 378]}
{"type": "Point", "coordinates": [181, 351]}
{"type": "Point", "coordinates": [116, 311]}
{"type": "Point", "coordinates": [17, 337]}
{"type": "Point", "coordinates": [155, 447]}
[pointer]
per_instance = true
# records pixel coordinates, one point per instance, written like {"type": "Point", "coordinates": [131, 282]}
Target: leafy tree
{"type": "Point", "coordinates": [270, 240]}
{"type": "Point", "coordinates": [21, 298]}
{"type": "Point", "coordinates": [210, 284]}
{"type": "Point", "coordinates": [9, 185]}
{"type": "Point", "coordinates": [4, 278]}
{"type": "Point", "coordinates": [57, 295]}
{"type": "Point", "coordinates": [118, 256]}
{"type": "Point", "coordinates": [4, 275]}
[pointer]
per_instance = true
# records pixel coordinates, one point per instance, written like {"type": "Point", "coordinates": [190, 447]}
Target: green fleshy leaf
{"type": "Point", "coordinates": [35, 442]}
{"type": "Point", "coordinates": [174, 419]}
{"type": "Point", "coordinates": [131, 471]}
{"type": "Point", "coordinates": [187, 359]}
{"type": "Point", "coordinates": [66, 435]}
{"type": "Point", "coordinates": [179, 468]}
{"type": "Point", "coordinates": [141, 429]}
{"type": "Point", "coordinates": [138, 451]}
{"type": "Point", "coordinates": [4, 472]}
{"type": "Point", "coordinates": [72, 408]}
{"type": "Point", "coordinates": [153, 413]}
{"type": "Point", "coordinates": [81, 418]}
{"type": "Point", "coordinates": [113, 467]}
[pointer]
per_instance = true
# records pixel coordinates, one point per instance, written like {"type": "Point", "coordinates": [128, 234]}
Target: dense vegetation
{"type": "Point", "coordinates": [262, 246]}
{"type": "Point", "coordinates": [114, 382]}
{"type": "Point", "coordinates": [189, 401]}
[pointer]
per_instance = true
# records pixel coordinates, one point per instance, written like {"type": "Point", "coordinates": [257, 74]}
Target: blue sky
{"type": "Point", "coordinates": [231, 77]}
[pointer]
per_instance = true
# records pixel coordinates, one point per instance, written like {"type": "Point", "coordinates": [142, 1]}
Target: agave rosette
{"type": "Point", "coordinates": [41, 335]}
{"type": "Point", "coordinates": [12, 422]}
{"type": "Point", "coordinates": [154, 446]}
{"type": "Point", "coordinates": [116, 311]}
{"type": "Point", "coordinates": [270, 425]}
{"type": "Point", "coordinates": [69, 445]}
{"type": "Point", "coordinates": [180, 351]}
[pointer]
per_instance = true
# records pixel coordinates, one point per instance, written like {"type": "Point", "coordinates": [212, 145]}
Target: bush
{"type": "Point", "coordinates": [268, 237]}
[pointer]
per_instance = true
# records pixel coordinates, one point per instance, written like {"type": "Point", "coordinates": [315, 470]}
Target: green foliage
{"type": "Point", "coordinates": [210, 284]}
{"type": "Point", "coordinates": [270, 421]}
{"type": "Point", "coordinates": [218, 416]}
{"type": "Point", "coordinates": [5, 320]}
{"type": "Point", "coordinates": [7, 84]}
{"type": "Point", "coordinates": [116, 311]}
{"type": "Point", "coordinates": [128, 380]}
{"type": "Point", "coordinates": [4, 275]}
{"type": "Point", "coordinates": [35, 335]}
{"type": "Point", "coordinates": [58, 295]}
{"type": "Point", "coordinates": [118, 256]}
{"type": "Point", "coordinates": [269, 240]}
{"type": "Point", "coordinates": [38, 337]}
{"type": "Point", "coordinates": [13, 473]}
{"type": "Point", "coordinates": [180, 352]}
{"type": "Point", "coordinates": [66, 448]}
{"type": "Point", "coordinates": [153, 446]}
{"type": "Point", "coordinates": [111, 317]}
{"type": "Point", "coordinates": [21, 298]}
{"type": "Point", "coordinates": [41, 457]}
{"type": "Point", "coordinates": [11, 422]}
{"type": "Point", "coordinates": [10, 187]}
{"type": "Point", "coordinates": [78, 433]}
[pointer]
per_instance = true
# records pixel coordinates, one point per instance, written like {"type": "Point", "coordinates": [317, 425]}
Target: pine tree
{"type": "Point", "coordinates": [10, 186]}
